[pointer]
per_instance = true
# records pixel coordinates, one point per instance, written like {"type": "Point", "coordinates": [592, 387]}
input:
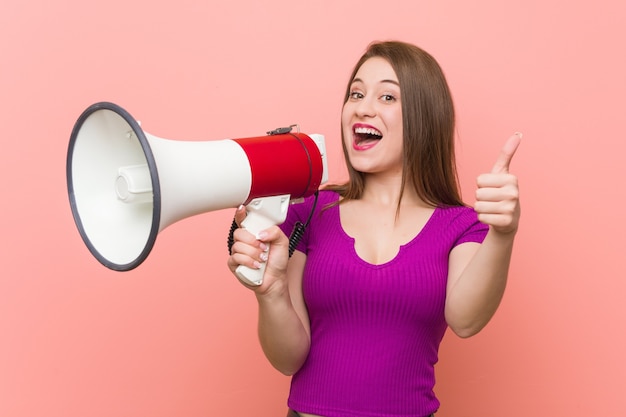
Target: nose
{"type": "Point", "coordinates": [365, 107]}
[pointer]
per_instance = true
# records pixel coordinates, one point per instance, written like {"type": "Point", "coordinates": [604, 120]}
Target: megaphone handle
{"type": "Point", "coordinates": [261, 213]}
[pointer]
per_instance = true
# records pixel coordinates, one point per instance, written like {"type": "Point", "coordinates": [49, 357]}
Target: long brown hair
{"type": "Point", "coordinates": [428, 123]}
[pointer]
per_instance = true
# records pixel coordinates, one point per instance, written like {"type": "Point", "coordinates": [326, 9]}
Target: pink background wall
{"type": "Point", "coordinates": [176, 337]}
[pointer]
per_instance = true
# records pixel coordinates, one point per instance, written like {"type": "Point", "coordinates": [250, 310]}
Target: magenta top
{"type": "Point", "coordinates": [375, 329]}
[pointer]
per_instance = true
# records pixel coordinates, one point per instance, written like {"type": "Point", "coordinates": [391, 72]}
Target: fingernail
{"type": "Point", "coordinates": [262, 235]}
{"type": "Point", "coordinates": [256, 265]}
{"type": "Point", "coordinates": [519, 134]}
{"type": "Point", "coordinates": [264, 256]}
{"type": "Point", "coordinates": [263, 247]}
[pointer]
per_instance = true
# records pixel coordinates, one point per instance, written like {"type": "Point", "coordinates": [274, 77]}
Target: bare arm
{"type": "Point", "coordinates": [283, 326]}
{"type": "Point", "coordinates": [476, 283]}
{"type": "Point", "coordinates": [284, 330]}
{"type": "Point", "coordinates": [478, 273]}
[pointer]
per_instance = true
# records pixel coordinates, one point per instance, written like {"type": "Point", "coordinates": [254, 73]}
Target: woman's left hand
{"type": "Point", "coordinates": [497, 196]}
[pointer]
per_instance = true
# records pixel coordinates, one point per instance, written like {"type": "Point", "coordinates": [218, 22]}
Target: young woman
{"type": "Point", "coordinates": [391, 258]}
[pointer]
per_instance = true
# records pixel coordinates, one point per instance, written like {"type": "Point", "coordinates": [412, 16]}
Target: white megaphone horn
{"type": "Point", "coordinates": [125, 186]}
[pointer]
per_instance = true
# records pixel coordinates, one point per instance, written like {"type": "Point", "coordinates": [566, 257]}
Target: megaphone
{"type": "Point", "coordinates": [125, 185]}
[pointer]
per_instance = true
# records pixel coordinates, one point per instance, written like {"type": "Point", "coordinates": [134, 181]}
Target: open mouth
{"type": "Point", "coordinates": [366, 136]}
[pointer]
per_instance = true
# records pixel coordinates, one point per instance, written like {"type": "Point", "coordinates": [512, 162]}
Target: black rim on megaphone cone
{"type": "Point", "coordinates": [84, 159]}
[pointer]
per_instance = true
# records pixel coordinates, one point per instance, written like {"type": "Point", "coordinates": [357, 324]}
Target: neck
{"type": "Point", "coordinates": [386, 191]}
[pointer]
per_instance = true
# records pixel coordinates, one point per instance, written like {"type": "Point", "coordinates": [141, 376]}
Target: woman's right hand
{"type": "Point", "coordinates": [252, 252]}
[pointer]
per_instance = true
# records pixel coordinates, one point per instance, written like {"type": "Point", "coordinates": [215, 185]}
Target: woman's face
{"type": "Point", "coordinates": [372, 119]}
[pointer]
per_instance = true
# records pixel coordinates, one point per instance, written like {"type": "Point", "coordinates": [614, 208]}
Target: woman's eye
{"type": "Point", "coordinates": [387, 98]}
{"type": "Point", "coordinates": [355, 95]}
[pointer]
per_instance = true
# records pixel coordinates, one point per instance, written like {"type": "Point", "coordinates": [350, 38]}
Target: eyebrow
{"type": "Point", "coordinates": [357, 80]}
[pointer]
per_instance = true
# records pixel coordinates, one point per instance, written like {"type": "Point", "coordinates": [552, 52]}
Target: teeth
{"type": "Point", "coordinates": [367, 131]}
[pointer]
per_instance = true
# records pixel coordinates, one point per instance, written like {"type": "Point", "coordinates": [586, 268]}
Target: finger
{"type": "Point", "coordinates": [243, 235]}
{"type": "Point", "coordinates": [506, 155]}
{"type": "Point", "coordinates": [273, 235]}
{"type": "Point", "coordinates": [255, 250]}
{"type": "Point", "coordinates": [240, 215]}
{"type": "Point", "coordinates": [239, 259]}
{"type": "Point", "coordinates": [503, 223]}
{"type": "Point", "coordinates": [496, 180]}
{"type": "Point", "coordinates": [496, 207]}
{"type": "Point", "coordinates": [497, 194]}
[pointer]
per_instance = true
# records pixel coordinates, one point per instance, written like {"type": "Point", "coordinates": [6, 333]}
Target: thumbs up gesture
{"type": "Point", "coordinates": [497, 196]}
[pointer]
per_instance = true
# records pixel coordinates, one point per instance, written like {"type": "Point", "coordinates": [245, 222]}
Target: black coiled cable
{"type": "Point", "coordinates": [296, 235]}
{"type": "Point", "coordinates": [231, 240]}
